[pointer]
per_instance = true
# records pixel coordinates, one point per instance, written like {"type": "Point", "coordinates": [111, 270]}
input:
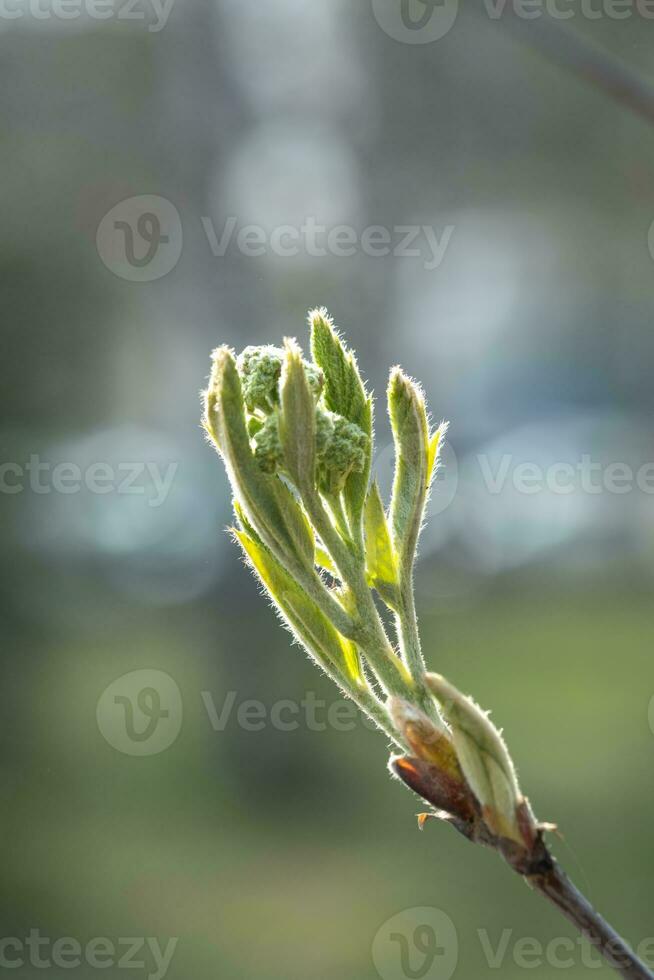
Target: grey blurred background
{"type": "Point", "coordinates": [134, 138]}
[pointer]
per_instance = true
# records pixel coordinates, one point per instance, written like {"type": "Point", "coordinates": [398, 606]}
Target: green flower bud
{"type": "Point", "coordinates": [324, 430]}
{"type": "Point", "coordinates": [345, 452]}
{"type": "Point", "coordinates": [347, 447]}
{"type": "Point", "coordinates": [260, 369]}
{"type": "Point", "coordinates": [268, 445]}
{"type": "Point", "coordinates": [315, 377]}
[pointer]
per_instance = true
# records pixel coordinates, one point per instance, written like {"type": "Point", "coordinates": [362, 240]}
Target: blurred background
{"type": "Point", "coordinates": [183, 174]}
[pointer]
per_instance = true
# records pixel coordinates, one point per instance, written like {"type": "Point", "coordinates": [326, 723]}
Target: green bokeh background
{"type": "Point", "coordinates": [280, 855]}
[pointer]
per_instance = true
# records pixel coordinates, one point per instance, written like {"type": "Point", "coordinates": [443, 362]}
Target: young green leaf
{"type": "Point", "coordinates": [244, 523]}
{"type": "Point", "coordinates": [324, 560]}
{"type": "Point", "coordinates": [435, 443]}
{"type": "Point", "coordinates": [298, 420]}
{"type": "Point", "coordinates": [344, 394]}
{"type": "Point", "coordinates": [344, 390]}
{"type": "Point", "coordinates": [381, 568]}
{"type": "Point", "coordinates": [310, 626]}
{"type": "Point", "coordinates": [408, 415]}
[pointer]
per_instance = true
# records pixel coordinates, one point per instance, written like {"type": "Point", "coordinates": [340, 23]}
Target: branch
{"type": "Point", "coordinates": [264, 414]}
{"type": "Point", "coordinates": [529, 856]}
{"type": "Point", "coordinates": [586, 60]}
{"type": "Point", "coordinates": [553, 882]}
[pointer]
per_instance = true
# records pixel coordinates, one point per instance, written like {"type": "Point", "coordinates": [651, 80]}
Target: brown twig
{"type": "Point", "coordinates": [529, 857]}
{"type": "Point", "coordinates": [585, 59]}
{"type": "Point", "coordinates": [557, 887]}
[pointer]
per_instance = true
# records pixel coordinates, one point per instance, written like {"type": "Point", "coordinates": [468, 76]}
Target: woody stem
{"type": "Point", "coordinates": [552, 882]}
